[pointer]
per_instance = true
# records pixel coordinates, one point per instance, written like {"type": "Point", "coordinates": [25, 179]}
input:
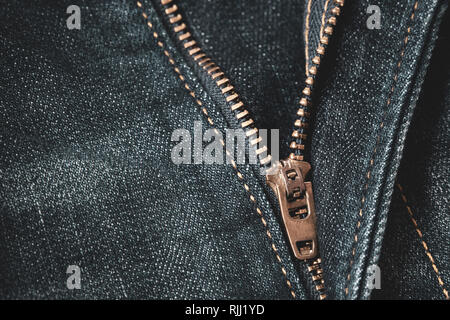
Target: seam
{"type": "Point", "coordinates": [307, 38]}
{"type": "Point", "coordinates": [323, 18]}
{"type": "Point", "coordinates": [307, 91]}
{"type": "Point", "coordinates": [307, 27]}
{"type": "Point", "coordinates": [371, 162]}
{"type": "Point", "coordinates": [424, 244]}
{"type": "Point", "coordinates": [298, 135]}
{"type": "Point", "coordinates": [194, 50]}
{"type": "Point", "coordinates": [218, 76]}
{"type": "Point", "coordinates": [233, 163]}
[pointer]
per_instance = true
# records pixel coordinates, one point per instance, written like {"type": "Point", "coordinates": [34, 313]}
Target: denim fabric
{"type": "Point", "coordinates": [86, 176]}
{"type": "Point", "coordinates": [350, 109]}
{"type": "Point", "coordinates": [423, 177]}
{"type": "Point", "coordinates": [262, 54]}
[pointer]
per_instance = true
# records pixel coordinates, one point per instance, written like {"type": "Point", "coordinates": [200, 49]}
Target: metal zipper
{"type": "Point", "coordinates": [295, 195]}
{"type": "Point", "coordinates": [287, 177]}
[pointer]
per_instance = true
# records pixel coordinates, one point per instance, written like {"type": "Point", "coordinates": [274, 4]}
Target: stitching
{"type": "Point", "coordinates": [307, 31]}
{"type": "Point", "coordinates": [303, 101]}
{"type": "Point", "coordinates": [424, 244]}
{"type": "Point", "coordinates": [210, 121]}
{"type": "Point", "coordinates": [307, 38]}
{"type": "Point", "coordinates": [216, 74]}
{"type": "Point", "coordinates": [298, 134]}
{"type": "Point", "coordinates": [323, 18]}
{"type": "Point", "coordinates": [369, 171]}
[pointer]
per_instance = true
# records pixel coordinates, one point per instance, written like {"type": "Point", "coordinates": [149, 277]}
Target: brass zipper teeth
{"type": "Point", "coordinates": [315, 269]}
{"type": "Point", "coordinates": [242, 114]}
{"type": "Point", "coordinates": [223, 83]}
{"type": "Point", "coordinates": [297, 145]}
{"type": "Point", "coordinates": [299, 136]}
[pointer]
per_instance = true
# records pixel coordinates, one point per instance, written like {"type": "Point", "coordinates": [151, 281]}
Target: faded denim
{"type": "Point", "coordinates": [85, 171]}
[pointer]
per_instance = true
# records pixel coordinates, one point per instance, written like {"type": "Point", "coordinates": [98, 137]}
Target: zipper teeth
{"type": "Point", "coordinates": [241, 113]}
{"type": "Point", "coordinates": [316, 271]}
{"type": "Point", "coordinates": [218, 76]}
{"type": "Point", "coordinates": [299, 135]}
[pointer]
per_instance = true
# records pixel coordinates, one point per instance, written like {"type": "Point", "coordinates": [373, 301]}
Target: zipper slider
{"type": "Point", "coordinates": [296, 200]}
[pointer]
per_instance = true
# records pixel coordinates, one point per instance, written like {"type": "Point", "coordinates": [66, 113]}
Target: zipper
{"type": "Point", "coordinates": [287, 178]}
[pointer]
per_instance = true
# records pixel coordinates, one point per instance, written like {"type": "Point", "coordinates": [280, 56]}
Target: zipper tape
{"type": "Point", "coordinates": [298, 211]}
{"type": "Point", "coordinates": [211, 122]}
{"type": "Point", "coordinates": [299, 133]}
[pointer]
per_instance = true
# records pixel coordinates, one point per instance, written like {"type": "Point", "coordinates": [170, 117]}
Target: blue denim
{"type": "Point", "coordinates": [86, 176]}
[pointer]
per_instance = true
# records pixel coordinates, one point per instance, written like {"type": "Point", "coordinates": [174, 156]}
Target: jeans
{"type": "Point", "coordinates": [87, 180]}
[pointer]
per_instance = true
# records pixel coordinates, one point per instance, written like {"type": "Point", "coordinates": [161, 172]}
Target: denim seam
{"type": "Point", "coordinates": [388, 185]}
{"type": "Point", "coordinates": [325, 7]}
{"type": "Point", "coordinates": [307, 38]}
{"type": "Point", "coordinates": [196, 53]}
{"type": "Point", "coordinates": [325, 10]}
{"type": "Point", "coordinates": [374, 152]}
{"type": "Point", "coordinates": [206, 63]}
{"type": "Point", "coordinates": [424, 244]}
{"type": "Point", "coordinates": [307, 74]}
{"type": "Point", "coordinates": [210, 121]}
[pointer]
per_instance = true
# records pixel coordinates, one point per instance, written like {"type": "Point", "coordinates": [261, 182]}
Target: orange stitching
{"type": "Point", "coordinates": [239, 174]}
{"type": "Point", "coordinates": [368, 175]}
{"type": "Point", "coordinates": [424, 244]}
{"type": "Point", "coordinates": [306, 92]}
{"type": "Point", "coordinates": [214, 71]}
{"type": "Point", "coordinates": [323, 18]}
{"type": "Point", "coordinates": [232, 96]}
{"type": "Point", "coordinates": [307, 38]}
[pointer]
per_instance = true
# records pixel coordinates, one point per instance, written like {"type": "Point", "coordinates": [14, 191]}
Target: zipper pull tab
{"type": "Point", "coordinates": [296, 200]}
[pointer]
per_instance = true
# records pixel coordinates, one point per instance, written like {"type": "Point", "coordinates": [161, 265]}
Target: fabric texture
{"type": "Point", "coordinates": [86, 176]}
